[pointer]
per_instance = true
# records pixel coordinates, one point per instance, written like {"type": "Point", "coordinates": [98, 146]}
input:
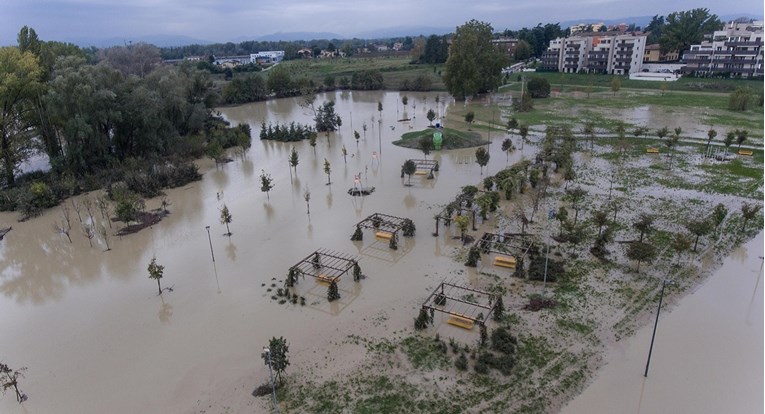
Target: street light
{"type": "Point", "coordinates": [210, 240]}
{"type": "Point", "coordinates": [653, 336]}
{"type": "Point", "coordinates": [267, 351]}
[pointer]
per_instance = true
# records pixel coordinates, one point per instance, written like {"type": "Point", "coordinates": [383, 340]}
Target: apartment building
{"type": "Point", "coordinates": [617, 54]}
{"type": "Point", "coordinates": [735, 51]}
{"type": "Point", "coordinates": [269, 56]}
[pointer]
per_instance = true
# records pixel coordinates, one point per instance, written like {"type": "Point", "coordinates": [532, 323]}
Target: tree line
{"type": "Point", "coordinates": [97, 121]}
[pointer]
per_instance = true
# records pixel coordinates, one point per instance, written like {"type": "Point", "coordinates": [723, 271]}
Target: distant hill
{"type": "Point", "coordinates": [643, 21]}
{"type": "Point", "coordinates": [403, 31]}
{"type": "Point", "coordinates": [293, 36]}
{"type": "Point", "coordinates": [156, 40]}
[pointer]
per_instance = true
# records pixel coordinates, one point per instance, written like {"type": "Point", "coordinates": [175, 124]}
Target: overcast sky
{"type": "Point", "coordinates": [222, 20]}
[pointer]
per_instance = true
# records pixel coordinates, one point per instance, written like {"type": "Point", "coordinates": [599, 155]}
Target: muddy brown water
{"type": "Point", "coordinates": [707, 355]}
{"type": "Point", "coordinates": [97, 338]}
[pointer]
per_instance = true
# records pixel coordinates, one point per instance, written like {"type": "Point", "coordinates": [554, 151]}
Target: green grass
{"type": "Point", "coordinates": [453, 139]}
{"type": "Point", "coordinates": [735, 168]}
{"type": "Point", "coordinates": [424, 353]}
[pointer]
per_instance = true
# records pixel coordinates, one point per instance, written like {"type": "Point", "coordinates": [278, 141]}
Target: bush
{"type": "Point", "coordinates": [367, 80]}
{"type": "Point", "coordinates": [461, 362]}
{"type": "Point", "coordinates": [539, 87]}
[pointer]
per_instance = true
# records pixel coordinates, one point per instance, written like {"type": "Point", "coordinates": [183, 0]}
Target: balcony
{"type": "Point", "coordinates": [699, 60]}
{"type": "Point", "coordinates": [743, 52]}
{"type": "Point", "coordinates": [742, 43]}
{"type": "Point", "coordinates": [597, 59]}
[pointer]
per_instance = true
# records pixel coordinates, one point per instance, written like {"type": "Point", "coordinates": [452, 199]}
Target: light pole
{"type": "Point", "coordinates": [653, 336]}
{"type": "Point", "coordinates": [210, 240]}
{"type": "Point", "coordinates": [267, 351]}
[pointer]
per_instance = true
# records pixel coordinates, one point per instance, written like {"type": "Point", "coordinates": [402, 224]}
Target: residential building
{"type": "Point", "coordinates": [269, 56]}
{"type": "Point", "coordinates": [506, 44]}
{"type": "Point", "coordinates": [736, 50]}
{"type": "Point", "coordinates": [653, 53]}
{"type": "Point", "coordinates": [612, 53]}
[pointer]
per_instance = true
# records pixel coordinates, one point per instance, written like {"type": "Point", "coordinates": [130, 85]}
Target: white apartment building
{"type": "Point", "coordinates": [620, 54]}
{"type": "Point", "coordinates": [736, 50]}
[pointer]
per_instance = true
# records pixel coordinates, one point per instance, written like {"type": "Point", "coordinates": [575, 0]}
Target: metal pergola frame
{"type": "Point", "coordinates": [326, 265]}
{"type": "Point", "coordinates": [457, 306]}
{"type": "Point", "coordinates": [391, 224]}
{"type": "Point", "coordinates": [512, 243]}
{"type": "Point", "coordinates": [425, 165]}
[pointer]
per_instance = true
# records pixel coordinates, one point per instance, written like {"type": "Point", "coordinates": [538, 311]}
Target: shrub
{"type": "Point", "coordinates": [539, 87]}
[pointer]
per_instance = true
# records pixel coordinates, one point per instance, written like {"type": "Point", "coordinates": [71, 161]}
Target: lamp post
{"type": "Point", "coordinates": [267, 351]}
{"type": "Point", "coordinates": [653, 336]}
{"type": "Point", "coordinates": [210, 240]}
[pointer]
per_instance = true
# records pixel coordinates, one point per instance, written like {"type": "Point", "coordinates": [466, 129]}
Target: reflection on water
{"type": "Point", "coordinates": [708, 355]}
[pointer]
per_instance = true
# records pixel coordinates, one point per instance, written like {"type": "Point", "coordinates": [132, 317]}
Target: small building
{"type": "Point", "coordinates": [652, 54]}
{"type": "Point", "coordinates": [269, 56]}
{"type": "Point", "coordinates": [734, 51]}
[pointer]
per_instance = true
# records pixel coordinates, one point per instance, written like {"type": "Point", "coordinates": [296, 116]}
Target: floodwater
{"type": "Point", "coordinates": [707, 355]}
{"type": "Point", "coordinates": [97, 338]}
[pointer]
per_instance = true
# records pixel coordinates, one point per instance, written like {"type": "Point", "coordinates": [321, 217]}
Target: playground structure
{"type": "Point", "coordinates": [386, 227]}
{"type": "Point", "coordinates": [465, 306]}
{"type": "Point", "coordinates": [425, 167]}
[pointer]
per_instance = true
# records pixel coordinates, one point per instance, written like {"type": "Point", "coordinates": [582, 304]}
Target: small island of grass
{"type": "Point", "coordinates": [453, 139]}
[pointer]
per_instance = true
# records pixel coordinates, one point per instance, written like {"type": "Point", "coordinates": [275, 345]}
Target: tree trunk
{"type": "Point", "coordinates": [159, 287]}
{"type": "Point", "coordinates": [228, 231]}
{"type": "Point", "coordinates": [696, 242]}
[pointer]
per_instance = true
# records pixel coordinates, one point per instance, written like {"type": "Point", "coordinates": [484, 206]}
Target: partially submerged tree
{"type": "Point", "coordinates": [266, 184]}
{"type": "Point", "coordinates": [711, 134]}
{"type": "Point", "coordinates": [431, 115]}
{"type": "Point", "coordinates": [422, 320]}
{"type": "Point", "coordinates": [748, 212]}
{"type": "Point", "coordinates": [307, 198]}
{"type": "Point", "coordinates": [9, 378]}
{"type": "Point", "coordinates": [294, 159]}
{"type": "Point", "coordinates": [278, 359]}
{"type": "Point", "coordinates": [409, 168]}
{"type": "Point", "coordinates": [462, 223]}
{"type": "Point", "coordinates": [327, 170]}
{"type": "Point", "coordinates": [507, 148]}
{"type": "Point", "coordinates": [156, 271]}
{"type": "Point", "coordinates": [482, 157]}
{"type": "Point", "coordinates": [226, 218]}
{"type": "Point", "coordinates": [698, 228]}
{"type": "Point", "coordinates": [644, 225]}
{"type": "Point", "coordinates": [332, 292]}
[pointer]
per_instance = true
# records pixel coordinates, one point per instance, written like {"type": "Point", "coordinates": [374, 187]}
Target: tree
{"type": "Point", "coordinates": [312, 143]}
{"type": "Point", "coordinates": [600, 218]}
{"type": "Point", "coordinates": [276, 357]}
{"type": "Point", "coordinates": [711, 134]}
{"type": "Point", "coordinates": [356, 135]}
{"type": "Point", "coordinates": [9, 378]}
{"type": "Point", "coordinates": [663, 132]}
{"type": "Point", "coordinates": [409, 168]}
{"type": "Point", "coordinates": [671, 143]}
{"type": "Point", "coordinates": [507, 148]}
{"type": "Point", "coordinates": [462, 223]}
{"type": "Point", "coordinates": [469, 117]}
{"type": "Point", "coordinates": [616, 84]}
{"type": "Point", "coordinates": [19, 88]}
{"type": "Point", "coordinates": [741, 135]}
{"type": "Point", "coordinates": [344, 152]}
{"type": "Point", "coordinates": [654, 29]}
{"type": "Point", "coordinates": [436, 50]}
{"type": "Point", "coordinates": [644, 225]}
{"type": "Point", "coordinates": [739, 99]}
{"type": "Point", "coordinates": [728, 141]}
{"type": "Point", "coordinates": [379, 110]}
{"type": "Point", "coordinates": [422, 320]}
{"type": "Point", "coordinates": [266, 184]}
{"type": "Point", "coordinates": [155, 272]}
{"type": "Point", "coordinates": [307, 198]}
{"type": "Point", "coordinates": [512, 123]}
{"type": "Point", "coordinates": [539, 87]}
{"type": "Point", "coordinates": [522, 51]}
{"type": "Point", "coordinates": [589, 130]}
{"type": "Point", "coordinates": [641, 252]}
{"type": "Point", "coordinates": [474, 65]}
{"type": "Point", "coordinates": [294, 159]}
{"type": "Point", "coordinates": [327, 170]}
{"type": "Point", "coordinates": [226, 218]}
{"type": "Point", "coordinates": [426, 145]}
{"type": "Point", "coordinates": [698, 228]}
{"type": "Point", "coordinates": [685, 28]}
{"type": "Point", "coordinates": [576, 196]}
{"type": "Point", "coordinates": [748, 212]}
{"type": "Point", "coordinates": [523, 131]}
{"type": "Point", "coordinates": [482, 157]}
{"type": "Point", "coordinates": [215, 151]}
{"type": "Point", "coordinates": [326, 119]}
{"type": "Point", "coordinates": [681, 243]}
{"type": "Point", "coordinates": [719, 214]}
{"type": "Point", "coordinates": [431, 116]}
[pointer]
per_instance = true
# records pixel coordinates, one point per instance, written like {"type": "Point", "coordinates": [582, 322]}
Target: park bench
{"type": "Point", "coordinates": [322, 278]}
{"type": "Point", "coordinates": [504, 261]}
{"type": "Point", "coordinates": [652, 150]}
{"type": "Point", "coordinates": [383, 235]}
{"type": "Point", "coordinates": [459, 320]}
{"type": "Point", "coordinates": [745, 152]}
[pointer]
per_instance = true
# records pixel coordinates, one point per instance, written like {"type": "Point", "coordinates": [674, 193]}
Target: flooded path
{"type": "Point", "coordinates": [708, 353]}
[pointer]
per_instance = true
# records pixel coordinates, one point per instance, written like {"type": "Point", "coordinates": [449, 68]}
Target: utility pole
{"type": "Point", "coordinates": [656, 323]}
{"type": "Point", "coordinates": [210, 240]}
{"type": "Point", "coordinates": [267, 351]}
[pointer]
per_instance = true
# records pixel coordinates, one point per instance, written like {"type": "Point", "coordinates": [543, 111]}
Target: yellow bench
{"type": "Point", "coordinates": [460, 321]}
{"type": "Point", "coordinates": [383, 235]}
{"type": "Point", "coordinates": [504, 261]}
{"type": "Point", "coordinates": [652, 150]}
{"type": "Point", "coordinates": [322, 278]}
{"type": "Point", "coordinates": [745, 152]}
{"type": "Point", "coordinates": [420, 172]}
